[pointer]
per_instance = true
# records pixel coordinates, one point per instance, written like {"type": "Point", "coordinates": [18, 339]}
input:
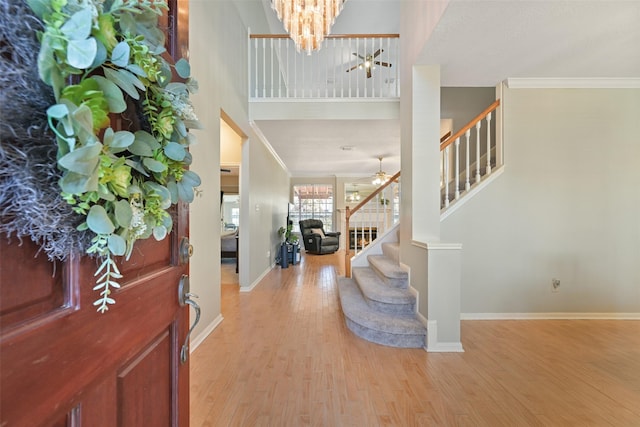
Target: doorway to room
{"type": "Point", "coordinates": [230, 161]}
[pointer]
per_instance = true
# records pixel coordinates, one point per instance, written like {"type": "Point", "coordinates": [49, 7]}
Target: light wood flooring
{"type": "Point", "coordinates": [284, 357]}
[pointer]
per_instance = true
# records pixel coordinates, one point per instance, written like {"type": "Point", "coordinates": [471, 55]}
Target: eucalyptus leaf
{"type": "Point", "coordinates": [180, 127]}
{"type": "Point", "coordinates": [122, 83]}
{"type": "Point", "coordinates": [40, 7]}
{"type": "Point", "coordinates": [46, 63]}
{"type": "Point", "coordinates": [81, 53]}
{"type": "Point", "coordinates": [191, 178]}
{"type": "Point", "coordinates": [168, 223]}
{"type": "Point", "coordinates": [120, 55]}
{"type": "Point", "coordinates": [148, 139]}
{"type": "Point", "coordinates": [123, 213]}
{"type": "Point", "coordinates": [154, 165]}
{"type": "Point", "coordinates": [83, 120]}
{"type": "Point", "coordinates": [105, 194]}
{"type": "Point", "coordinates": [112, 93]}
{"type": "Point", "coordinates": [117, 245]}
{"type": "Point", "coordinates": [174, 151]}
{"type": "Point", "coordinates": [98, 220]}
{"type": "Point", "coordinates": [135, 69]}
{"type": "Point", "coordinates": [185, 192]}
{"type": "Point", "coordinates": [140, 148]}
{"type": "Point", "coordinates": [75, 183]}
{"type": "Point", "coordinates": [188, 158]}
{"type": "Point", "coordinates": [137, 166]}
{"type": "Point", "coordinates": [122, 139]}
{"type": "Point", "coordinates": [131, 78]}
{"type": "Point", "coordinates": [172, 186]}
{"type": "Point", "coordinates": [78, 27]}
{"type": "Point", "coordinates": [82, 160]}
{"type": "Point", "coordinates": [159, 232]}
{"type": "Point", "coordinates": [183, 68]}
{"type": "Point", "coordinates": [101, 54]}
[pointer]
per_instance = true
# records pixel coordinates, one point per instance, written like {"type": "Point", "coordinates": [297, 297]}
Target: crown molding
{"type": "Point", "coordinates": [268, 146]}
{"type": "Point", "coordinates": [573, 83]}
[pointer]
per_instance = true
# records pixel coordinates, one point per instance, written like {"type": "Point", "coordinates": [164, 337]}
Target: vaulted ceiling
{"type": "Point", "coordinates": [477, 44]}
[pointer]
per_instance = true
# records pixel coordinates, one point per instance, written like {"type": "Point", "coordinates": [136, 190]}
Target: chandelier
{"type": "Point", "coordinates": [380, 177]}
{"type": "Point", "coordinates": [307, 21]}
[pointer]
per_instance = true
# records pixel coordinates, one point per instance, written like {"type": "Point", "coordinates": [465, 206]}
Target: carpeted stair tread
{"type": "Point", "coordinates": [397, 330]}
{"type": "Point", "coordinates": [375, 289]}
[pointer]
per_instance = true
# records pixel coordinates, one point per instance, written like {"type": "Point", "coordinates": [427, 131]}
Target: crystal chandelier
{"type": "Point", "coordinates": [307, 21]}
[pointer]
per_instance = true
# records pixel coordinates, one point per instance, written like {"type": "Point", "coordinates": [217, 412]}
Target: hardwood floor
{"type": "Point", "coordinates": [283, 357]}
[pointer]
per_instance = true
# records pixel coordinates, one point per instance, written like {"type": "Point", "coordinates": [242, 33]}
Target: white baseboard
{"type": "Point", "coordinates": [549, 316]}
{"type": "Point", "coordinates": [433, 346]}
{"type": "Point", "coordinates": [255, 282]}
{"type": "Point", "coordinates": [196, 341]}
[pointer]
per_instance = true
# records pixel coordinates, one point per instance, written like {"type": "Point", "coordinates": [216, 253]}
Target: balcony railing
{"type": "Point", "coordinates": [347, 66]}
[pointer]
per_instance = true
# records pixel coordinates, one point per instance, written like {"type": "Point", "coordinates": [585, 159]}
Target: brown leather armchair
{"type": "Point", "coordinates": [316, 240]}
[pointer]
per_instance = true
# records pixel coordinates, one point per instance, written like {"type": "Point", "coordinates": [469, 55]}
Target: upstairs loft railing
{"type": "Point", "coordinates": [371, 218]}
{"type": "Point", "coordinates": [464, 166]}
{"type": "Point", "coordinates": [359, 66]}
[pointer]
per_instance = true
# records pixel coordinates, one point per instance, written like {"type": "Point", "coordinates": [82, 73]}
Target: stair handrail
{"type": "Point", "coordinates": [350, 212]}
{"type": "Point", "coordinates": [469, 125]}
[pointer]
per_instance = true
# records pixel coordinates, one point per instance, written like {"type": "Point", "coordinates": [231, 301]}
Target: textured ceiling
{"type": "Point", "coordinates": [477, 43]}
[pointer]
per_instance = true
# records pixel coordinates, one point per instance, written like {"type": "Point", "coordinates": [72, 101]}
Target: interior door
{"type": "Point", "coordinates": [64, 364]}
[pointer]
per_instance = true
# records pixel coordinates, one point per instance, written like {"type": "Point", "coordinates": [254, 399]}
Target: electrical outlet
{"type": "Point", "coordinates": [555, 285]}
{"type": "Point", "coordinates": [269, 254]}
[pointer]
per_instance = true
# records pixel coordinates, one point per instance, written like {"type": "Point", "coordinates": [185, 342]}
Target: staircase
{"type": "Point", "coordinates": [378, 304]}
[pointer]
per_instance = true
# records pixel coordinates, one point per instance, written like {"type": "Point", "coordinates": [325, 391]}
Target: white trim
{"type": "Point", "coordinates": [433, 346]}
{"type": "Point", "coordinates": [256, 282]}
{"type": "Point", "coordinates": [549, 316]}
{"type": "Point", "coordinates": [423, 320]}
{"type": "Point", "coordinates": [437, 246]}
{"type": "Point", "coordinates": [196, 341]}
{"type": "Point", "coordinates": [268, 146]}
{"type": "Point", "coordinates": [446, 347]}
{"type": "Point", "coordinates": [573, 83]}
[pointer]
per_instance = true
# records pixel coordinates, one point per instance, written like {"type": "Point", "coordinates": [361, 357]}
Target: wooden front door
{"type": "Point", "coordinates": [64, 364]}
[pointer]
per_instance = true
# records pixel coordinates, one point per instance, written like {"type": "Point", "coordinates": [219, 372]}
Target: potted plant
{"type": "Point", "coordinates": [289, 236]}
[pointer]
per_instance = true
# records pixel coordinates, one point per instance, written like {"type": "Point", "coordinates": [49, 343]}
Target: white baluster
{"type": "Point", "coordinates": [457, 177]}
{"type": "Point", "coordinates": [489, 144]}
{"type": "Point", "coordinates": [446, 176]}
{"type": "Point", "coordinates": [264, 69]}
{"type": "Point", "coordinates": [478, 125]}
{"type": "Point", "coordinates": [255, 66]}
{"type": "Point", "coordinates": [271, 53]}
{"type": "Point", "coordinates": [280, 73]}
{"type": "Point", "coordinates": [466, 170]}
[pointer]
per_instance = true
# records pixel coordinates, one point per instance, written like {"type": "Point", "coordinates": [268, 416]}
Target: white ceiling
{"type": "Point", "coordinates": [477, 43]}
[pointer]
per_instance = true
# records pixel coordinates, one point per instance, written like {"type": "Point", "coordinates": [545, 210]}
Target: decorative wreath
{"type": "Point", "coordinates": [112, 188]}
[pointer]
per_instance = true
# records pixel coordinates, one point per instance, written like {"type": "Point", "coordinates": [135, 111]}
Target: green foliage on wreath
{"type": "Point", "coordinates": [123, 182]}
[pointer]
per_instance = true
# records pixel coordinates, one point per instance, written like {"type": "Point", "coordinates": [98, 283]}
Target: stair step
{"type": "Point", "coordinates": [382, 297]}
{"type": "Point", "coordinates": [395, 330]}
{"type": "Point", "coordinates": [392, 251]}
{"type": "Point", "coordinates": [389, 271]}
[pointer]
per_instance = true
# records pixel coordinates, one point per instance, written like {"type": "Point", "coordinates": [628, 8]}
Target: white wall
{"type": "Point", "coordinates": [566, 207]}
{"type": "Point", "coordinates": [218, 57]}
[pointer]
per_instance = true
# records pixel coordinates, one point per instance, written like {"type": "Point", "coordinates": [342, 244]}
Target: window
{"type": "Point", "coordinates": [313, 201]}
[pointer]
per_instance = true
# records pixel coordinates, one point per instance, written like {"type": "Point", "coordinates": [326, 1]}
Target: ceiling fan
{"type": "Point", "coordinates": [368, 62]}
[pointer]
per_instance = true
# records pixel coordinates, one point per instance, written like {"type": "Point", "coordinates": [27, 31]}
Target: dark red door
{"type": "Point", "coordinates": [64, 364]}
